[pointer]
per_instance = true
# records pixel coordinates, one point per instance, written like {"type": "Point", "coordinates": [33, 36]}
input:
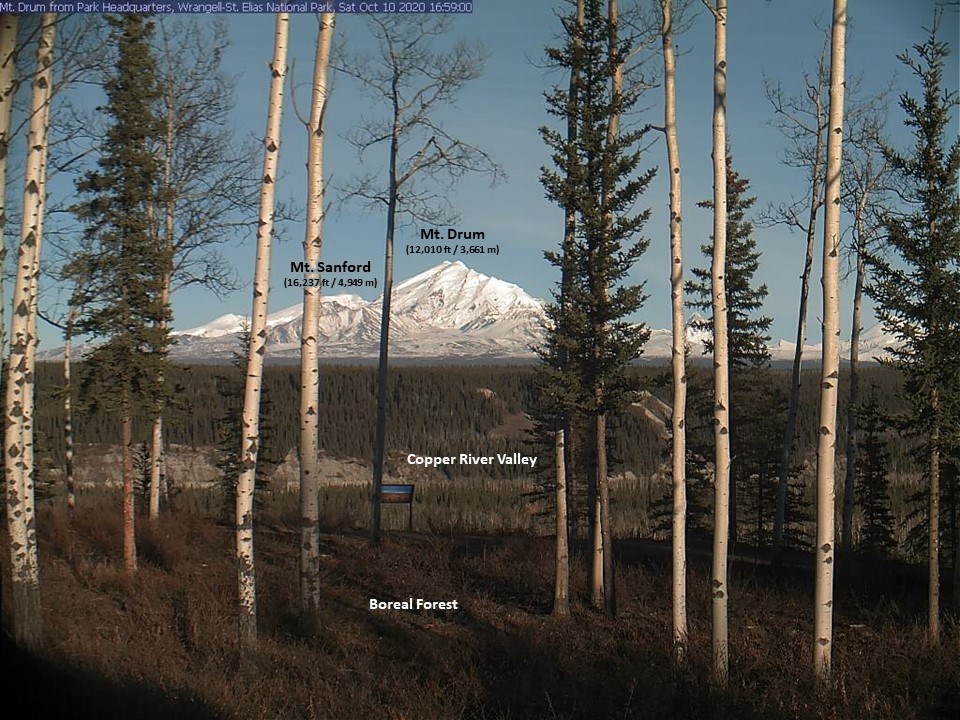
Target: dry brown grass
{"type": "Point", "coordinates": [162, 643]}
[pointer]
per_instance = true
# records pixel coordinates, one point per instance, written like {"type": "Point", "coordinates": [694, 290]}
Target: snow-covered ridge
{"type": "Point", "coordinates": [446, 312]}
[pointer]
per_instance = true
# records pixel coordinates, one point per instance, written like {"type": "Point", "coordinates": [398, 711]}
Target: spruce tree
{"type": "Point", "coordinates": [916, 286]}
{"type": "Point", "coordinates": [747, 330]}
{"type": "Point", "coordinates": [876, 534]}
{"type": "Point", "coordinates": [121, 295]}
{"type": "Point", "coordinates": [597, 176]}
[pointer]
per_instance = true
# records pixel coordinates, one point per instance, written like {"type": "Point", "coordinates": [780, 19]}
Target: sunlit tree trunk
{"type": "Point", "coordinates": [561, 590]}
{"type": "Point", "coordinates": [18, 432]}
{"type": "Point", "coordinates": [8, 42]}
{"type": "Point", "coordinates": [250, 444]}
{"type": "Point", "coordinates": [678, 349]}
{"type": "Point", "coordinates": [129, 517]}
{"type": "Point", "coordinates": [830, 370]}
{"type": "Point", "coordinates": [68, 410]}
{"type": "Point", "coordinates": [721, 408]}
{"type": "Point", "coordinates": [309, 343]}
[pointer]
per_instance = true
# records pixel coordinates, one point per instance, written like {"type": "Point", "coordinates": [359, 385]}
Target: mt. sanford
{"type": "Point", "coordinates": [446, 312]}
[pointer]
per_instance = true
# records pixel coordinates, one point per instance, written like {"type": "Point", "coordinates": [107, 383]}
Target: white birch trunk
{"type": "Point", "coordinates": [561, 589]}
{"type": "Point", "coordinates": [830, 372]}
{"type": "Point", "coordinates": [68, 410]}
{"type": "Point", "coordinates": [678, 349]}
{"type": "Point", "coordinates": [720, 590]}
{"type": "Point", "coordinates": [8, 42]}
{"type": "Point", "coordinates": [250, 443]}
{"type": "Point", "coordinates": [18, 433]}
{"type": "Point", "coordinates": [309, 342]}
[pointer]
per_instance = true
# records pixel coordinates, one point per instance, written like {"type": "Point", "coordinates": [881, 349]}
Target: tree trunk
{"type": "Point", "coordinates": [561, 590]}
{"type": "Point", "coordinates": [380, 442]}
{"type": "Point", "coordinates": [18, 431]}
{"type": "Point", "coordinates": [678, 349]}
{"type": "Point", "coordinates": [853, 404]}
{"type": "Point", "coordinates": [605, 531]}
{"type": "Point", "coordinates": [156, 460]}
{"type": "Point", "coordinates": [790, 432]}
{"type": "Point", "coordinates": [246, 576]}
{"type": "Point", "coordinates": [561, 603]}
{"type": "Point", "coordinates": [68, 411]}
{"type": "Point", "coordinates": [309, 342]}
{"type": "Point", "coordinates": [129, 528]}
{"type": "Point", "coordinates": [596, 539]}
{"type": "Point", "coordinates": [606, 528]}
{"type": "Point", "coordinates": [830, 371]}
{"type": "Point", "coordinates": [8, 42]}
{"type": "Point", "coordinates": [721, 409]}
{"type": "Point", "coordinates": [933, 526]}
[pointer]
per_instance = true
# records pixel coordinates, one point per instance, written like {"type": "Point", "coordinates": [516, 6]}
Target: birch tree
{"type": "Point", "coordinates": [803, 123]}
{"type": "Point", "coordinates": [413, 81]}
{"type": "Point", "coordinates": [250, 444]}
{"type": "Point", "coordinates": [8, 84]}
{"type": "Point", "coordinates": [720, 590]}
{"type": "Point", "coordinates": [830, 360]}
{"type": "Point", "coordinates": [678, 351]}
{"type": "Point", "coordinates": [208, 188]}
{"type": "Point", "coordinates": [309, 343]}
{"type": "Point", "coordinates": [18, 430]}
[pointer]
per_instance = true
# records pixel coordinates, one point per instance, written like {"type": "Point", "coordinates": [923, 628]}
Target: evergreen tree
{"type": "Point", "coordinates": [230, 433]}
{"type": "Point", "coordinates": [916, 288]}
{"type": "Point", "coordinates": [596, 178]}
{"type": "Point", "coordinates": [747, 330]}
{"type": "Point", "coordinates": [121, 295]}
{"type": "Point", "coordinates": [876, 535]}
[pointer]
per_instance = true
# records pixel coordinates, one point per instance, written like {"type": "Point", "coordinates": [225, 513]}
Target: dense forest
{"type": "Point", "coordinates": [442, 407]}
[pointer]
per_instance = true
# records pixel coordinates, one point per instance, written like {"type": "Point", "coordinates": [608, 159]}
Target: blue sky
{"type": "Point", "coordinates": [502, 110]}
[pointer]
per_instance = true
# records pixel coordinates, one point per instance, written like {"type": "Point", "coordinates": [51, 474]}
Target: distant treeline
{"type": "Point", "coordinates": [438, 410]}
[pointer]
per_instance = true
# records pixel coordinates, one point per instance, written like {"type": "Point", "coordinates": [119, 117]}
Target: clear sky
{"type": "Point", "coordinates": [502, 110]}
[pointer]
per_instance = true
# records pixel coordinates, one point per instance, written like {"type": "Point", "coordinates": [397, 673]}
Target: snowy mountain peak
{"type": "Point", "coordinates": [453, 296]}
{"type": "Point", "coordinates": [448, 310]}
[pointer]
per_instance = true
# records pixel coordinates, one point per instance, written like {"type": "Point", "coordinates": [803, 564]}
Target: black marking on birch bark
{"type": "Point", "coordinates": [823, 642]}
{"type": "Point", "coordinates": [826, 547]}
{"type": "Point", "coordinates": [824, 430]}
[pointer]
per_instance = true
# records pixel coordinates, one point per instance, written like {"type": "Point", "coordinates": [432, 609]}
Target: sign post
{"type": "Point", "coordinates": [398, 495]}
